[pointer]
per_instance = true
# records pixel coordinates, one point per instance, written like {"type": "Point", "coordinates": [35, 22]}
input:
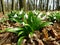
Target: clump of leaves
{"type": "Point", "coordinates": [54, 17]}
{"type": "Point", "coordinates": [30, 24]}
{"type": "Point", "coordinates": [16, 16]}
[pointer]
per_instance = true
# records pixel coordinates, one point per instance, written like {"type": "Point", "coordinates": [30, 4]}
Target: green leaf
{"type": "Point", "coordinates": [21, 32]}
{"type": "Point", "coordinates": [29, 26]}
{"type": "Point", "coordinates": [14, 30]}
{"type": "Point", "coordinates": [20, 40]}
{"type": "Point", "coordinates": [46, 24]}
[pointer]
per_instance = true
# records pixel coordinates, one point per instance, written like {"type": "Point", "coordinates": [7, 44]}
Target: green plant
{"type": "Point", "coordinates": [16, 16]}
{"type": "Point", "coordinates": [30, 24]}
{"type": "Point", "coordinates": [55, 16]}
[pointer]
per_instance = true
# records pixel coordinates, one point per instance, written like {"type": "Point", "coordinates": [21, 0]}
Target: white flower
{"type": "Point", "coordinates": [41, 13]}
{"type": "Point", "coordinates": [26, 16]}
{"type": "Point", "coordinates": [15, 15]}
{"type": "Point", "coordinates": [54, 17]}
{"type": "Point", "coordinates": [43, 17]}
{"type": "Point", "coordinates": [48, 13]}
{"type": "Point", "coordinates": [23, 23]}
{"type": "Point", "coordinates": [39, 16]}
{"type": "Point", "coordinates": [35, 12]}
{"type": "Point", "coordinates": [21, 12]}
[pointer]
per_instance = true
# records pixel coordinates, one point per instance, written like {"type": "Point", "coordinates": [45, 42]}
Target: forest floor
{"type": "Point", "coordinates": [6, 38]}
{"type": "Point", "coordinates": [1, 14]}
{"type": "Point", "coordinates": [49, 35]}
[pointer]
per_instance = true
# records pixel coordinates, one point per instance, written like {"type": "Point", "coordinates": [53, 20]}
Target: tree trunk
{"type": "Point", "coordinates": [29, 6]}
{"type": "Point", "coordinates": [57, 4]}
{"type": "Point", "coordinates": [47, 5]}
{"type": "Point", "coordinates": [24, 5]}
{"type": "Point", "coordinates": [36, 4]}
{"type": "Point", "coordinates": [41, 6]}
{"type": "Point", "coordinates": [7, 5]}
{"type": "Point", "coordinates": [53, 5]}
{"type": "Point", "coordinates": [21, 4]}
{"type": "Point", "coordinates": [0, 6]}
{"type": "Point", "coordinates": [13, 4]}
{"type": "Point", "coordinates": [17, 5]}
{"type": "Point", "coordinates": [3, 8]}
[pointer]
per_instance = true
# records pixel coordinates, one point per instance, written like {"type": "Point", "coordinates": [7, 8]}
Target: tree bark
{"type": "Point", "coordinates": [47, 5]}
{"type": "Point", "coordinates": [21, 4]}
{"type": "Point", "coordinates": [7, 5]}
{"type": "Point", "coordinates": [29, 6]}
{"type": "Point", "coordinates": [36, 4]}
{"type": "Point", "coordinates": [0, 6]}
{"type": "Point", "coordinates": [13, 4]}
{"type": "Point", "coordinates": [24, 5]}
{"type": "Point", "coordinates": [57, 4]}
{"type": "Point", "coordinates": [17, 5]}
{"type": "Point", "coordinates": [40, 4]}
{"type": "Point", "coordinates": [53, 5]}
{"type": "Point", "coordinates": [3, 7]}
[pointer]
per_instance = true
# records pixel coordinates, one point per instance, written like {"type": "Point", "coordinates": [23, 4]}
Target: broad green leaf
{"type": "Point", "coordinates": [14, 30]}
